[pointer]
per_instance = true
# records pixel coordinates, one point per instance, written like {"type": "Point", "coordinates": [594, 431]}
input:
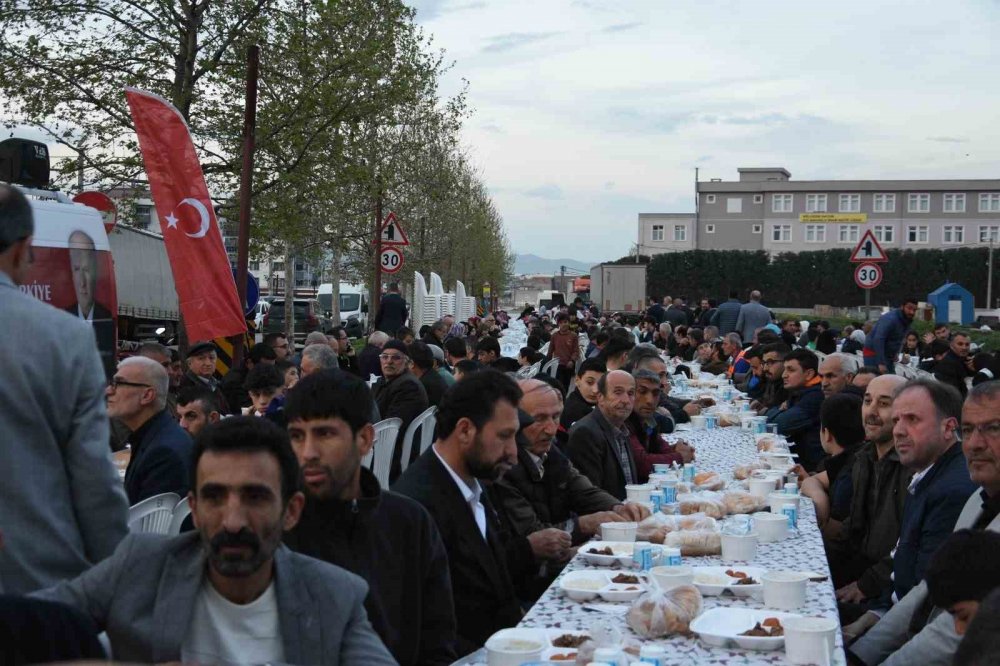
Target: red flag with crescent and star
{"type": "Point", "coordinates": [206, 290]}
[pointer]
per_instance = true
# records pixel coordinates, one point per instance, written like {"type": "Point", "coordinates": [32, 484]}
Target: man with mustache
{"type": "Point", "coordinates": [229, 592]}
{"type": "Point", "coordinates": [477, 422]}
{"type": "Point", "coordinates": [349, 520]}
{"type": "Point", "coordinates": [914, 631]}
{"type": "Point", "coordinates": [858, 554]}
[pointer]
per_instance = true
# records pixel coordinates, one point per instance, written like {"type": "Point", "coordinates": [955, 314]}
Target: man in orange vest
{"type": "Point", "coordinates": [732, 346]}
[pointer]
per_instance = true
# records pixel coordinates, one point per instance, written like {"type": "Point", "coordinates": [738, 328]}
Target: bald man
{"type": "Point", "coordinates": [161, 450]}
{"type": "Point", "coordinates": [859, 553]}
{"type": "Point", "coordinates": [599, 443]}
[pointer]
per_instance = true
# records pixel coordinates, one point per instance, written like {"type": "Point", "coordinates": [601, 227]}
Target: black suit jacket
{"type": "Point", "coordinates": [160, 461]}
{"type": "Point", "coordinates": [104, 332]}
{"type": "Point", "coordinates": [404, 398]}
{"type": "Point", "coordinates": [591, 451]}
{"type": "Point", "coordinates": [485, 599]}
{"type": "Point", "coordinates": [434, 385]}
{"type": "Point", "coordinates": [392, 314]}
{"type": "Point", "coordinates": [951, 369]}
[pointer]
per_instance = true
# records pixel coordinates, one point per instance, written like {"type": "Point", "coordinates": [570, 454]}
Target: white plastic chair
{"type": "Point", "coordinates": [153, 514]}
{"type": "Point", "coordinates": [180, 513]}
{"type": "Point", "coordinates": [425, 422]}
{"type": "Point", "coordinates": [551, 368]}
{"type": "Point", "coordinates": [380, 457]}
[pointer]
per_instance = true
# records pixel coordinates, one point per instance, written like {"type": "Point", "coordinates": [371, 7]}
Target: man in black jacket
{"type": "Point", "coordinates": [582, 401]}
{"type": "Point", "coordinates": [476, 427]}
{"type": "Point", "coordinates": [386, 538]}
{"type": "Point", "coordinates": [423, 369]}
{"type": "Point", "coordinates": [392, 311]}
{"type": "Point", "coordinates": [398, 393]}
{"type": "Point", "coordinates": [599, 444]}
{"type": "Point", "coordinates": [956, 365]}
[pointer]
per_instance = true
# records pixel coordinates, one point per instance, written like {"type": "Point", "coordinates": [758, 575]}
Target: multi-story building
{"type": "Point", "coordinates": [666, 232]}
{"type": "Point", "coordinates": [766, 209]}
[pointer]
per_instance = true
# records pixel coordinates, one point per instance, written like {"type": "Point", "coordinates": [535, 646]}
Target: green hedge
{"type": "Point", "coordinates": [805, 279]}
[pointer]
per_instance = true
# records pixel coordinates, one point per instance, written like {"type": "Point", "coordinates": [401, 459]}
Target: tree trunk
{"type": "Point", "coordinates": [335, 270]}
{"type": "Point", "coordinates": [289, 295]}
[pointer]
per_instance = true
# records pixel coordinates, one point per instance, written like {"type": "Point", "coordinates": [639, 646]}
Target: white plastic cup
{"type": "Point", "coordinates": [670, 557]}
{"type": "Point", "coordinates": [780, 499]}
{"type": "Point", "coordinates": [505, 648]}
{"type": "Point", "coordinates": [618, 531]}
{"type": "Point", "coordinates": [668, 578]}
{"type": "Point", "coordinates": [784, 590]}
{"type": "Point", "coordinates": [698, 422]}
{"type": "Point", "coordinates": [770, 527]}
{"type": "Point", "coordinates": [739, 547]}
{"type": "Point", "coordinates": [810, 640]}
{"type": "Point", "coordinates": [638, 492]}
{"type": "Point", "coordinates": [761, 487]}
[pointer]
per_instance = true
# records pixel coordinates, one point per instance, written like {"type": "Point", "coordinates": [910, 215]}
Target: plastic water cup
{"type": "Point", "coordinates": [739, 547]}
{"type": "Point", "coordinates": [711, 421]}
{"type": "Point", "coordinates": [668, 578]}
{"type": "Point", "coordinates": [810, 640]}
{"type": "Point", "coordinates": [784, 590]}
{"type": "Point", "coordinates": [669, 492]}
{"type": "Point", "coordinates": [671, 557]}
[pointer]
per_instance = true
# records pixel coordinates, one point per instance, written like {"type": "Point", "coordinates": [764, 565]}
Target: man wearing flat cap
{"type": "Point", "coordinates": [398, 394]}
{"type": "Point", "coordinates": [201, 358]}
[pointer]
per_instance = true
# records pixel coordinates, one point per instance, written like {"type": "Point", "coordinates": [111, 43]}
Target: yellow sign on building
{"type": "Point", "coordinates": [833, 217]}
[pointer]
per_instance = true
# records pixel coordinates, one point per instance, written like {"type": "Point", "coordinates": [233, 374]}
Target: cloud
{"type": "Point", "coordinates": [431, 9]}
{"type": "Point", "coordinates": [550, 192]}
{"type": "Point", "coordinates": [621, 27]}
{"type": "Point", "coordinates": [492, 128]}
{"type": "Point", "coordinates": [948, 139]}
{"type": "Point", "coordinates": [513, 40]}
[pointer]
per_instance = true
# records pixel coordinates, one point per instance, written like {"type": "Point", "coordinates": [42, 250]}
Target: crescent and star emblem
{"type": "Point", "coordinates": [206, 221]}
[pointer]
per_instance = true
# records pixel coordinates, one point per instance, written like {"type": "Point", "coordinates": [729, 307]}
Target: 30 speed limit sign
{"type": "Point", "coordinates": [391, 260]}
{"type": "Point", "coordinates": [868, 276]}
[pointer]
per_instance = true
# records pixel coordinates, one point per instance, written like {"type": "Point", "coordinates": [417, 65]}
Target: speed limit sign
{"type": "Point", "coordinates": [868, 276]}
{"type": "Point", "coordinates": [391, 260]}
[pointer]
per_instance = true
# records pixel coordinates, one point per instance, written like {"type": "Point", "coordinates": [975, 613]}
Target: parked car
{"type": "Point", "coordinates": [307, 313]}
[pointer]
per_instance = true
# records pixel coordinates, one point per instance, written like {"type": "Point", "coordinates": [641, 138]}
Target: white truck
{"type": "Point", "coordinates": [353, 303]}
{"type": "Point", "coordinates": [618, 287]}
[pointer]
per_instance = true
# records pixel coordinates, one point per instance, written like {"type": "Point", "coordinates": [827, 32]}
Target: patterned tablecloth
{"type": "Point", "coordinates": [720, 450]}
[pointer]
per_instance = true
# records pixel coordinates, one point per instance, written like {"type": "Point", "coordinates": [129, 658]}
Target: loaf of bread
{"type": "Point", "coordinates": [709, 481]}
{"type": "Point", "coordinates": [742, 502]}
{"type": "Point", "coordinates": [709, 503]}
{"type": "Point", "coordinates": [743, 472]}
{"type": "Point", "coordinates": [658, 614]}
{"type": "Point", "coordinates": [694, 543]}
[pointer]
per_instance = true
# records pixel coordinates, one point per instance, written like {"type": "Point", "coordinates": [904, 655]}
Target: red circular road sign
{"type": "Point", "coordinates": [103, 203]}
{"type": "Point", "coordinates": [868, 276]}
{"type": "Point", "coordinates": [391, 260]}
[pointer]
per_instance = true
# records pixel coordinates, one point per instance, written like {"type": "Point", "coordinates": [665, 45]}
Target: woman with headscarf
{"type": "Point", "coordinates": [855, 343]}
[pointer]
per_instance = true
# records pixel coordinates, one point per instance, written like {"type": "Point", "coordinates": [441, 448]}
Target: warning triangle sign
{"type": "Point", "coordinates": [868, 250]}
{"type": "Point", "coordinates": [392, 231]}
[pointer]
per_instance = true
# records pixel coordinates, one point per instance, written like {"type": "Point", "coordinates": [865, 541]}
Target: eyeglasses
{"type": "Point", "coordinates": [115, 382]}
{"type": "Point", "coordinates": [392, 358]}
{"type": "Point", "coordinates": [989, 431]}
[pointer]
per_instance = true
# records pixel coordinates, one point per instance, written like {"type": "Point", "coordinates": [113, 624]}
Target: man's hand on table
{"type": "Point", "coordinates": [591, 523]}
{"type": "Point", "coordinates": [801, 472]}
{"type": "Point", "coordinates": [859, 627]}
{"type": "Point", "coordinates": [692, 408]}
{"type": "Point", "coordinates": [632, 512]}
{"type": "Point", "coordinates": [851, 594]}
{"type": "Point", "coordinates": [684, 450]}
{"type": "Point", "coordinates": [550, 544]}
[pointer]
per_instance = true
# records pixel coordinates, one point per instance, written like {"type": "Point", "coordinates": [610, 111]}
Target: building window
{"type": "Point", "coordinates": [781, 233]}
{"type": "Point", "coordinates": [709, 228]}
{"type": "Point", "coordinates": [989, 234]}
{"type": "Point", "coordinates": [254, 266]}
{"type": "Point", "coordinates": [277, 266]}
{"type": "Point", "coordinates": [734, 205]}
{"type": "Point", "coordinates": [143, 216]}
{"type": "Point", "coordinates": [758, 228]}
{"type": "Point", "coordinates": [954, 203]}
{"type": "Point", "coordinates": [710, 198]}
{"type": "Point", "coordinates": [680, 233]}
{"type": "Point", "coordinates": [884, 233]}
{"type": "Point", "coordinates": [917, 234]}
{"type": "Point", "coordinates": [758, 198]}
{"type": "Point", "coordinates": [815, 233]}
{"type": "Point", "coordinates": [782, 203]}
{"type": "Point", "coordinates": [918, 203]}
{"type": "Point", "coordinates": [850, 203]}
{"type": "Point", "coordinates": [884, 203]}
{"type": "Point", "coordinates": [815, 203]}
{"type": "Point", "coordinates": [848, 233]}
{"type": "Point", "coordinates": [657, 232]}
{"type": "Point", "coordinates": [989, 202]}
{"type": "Point", "coordinates": [953, 235]}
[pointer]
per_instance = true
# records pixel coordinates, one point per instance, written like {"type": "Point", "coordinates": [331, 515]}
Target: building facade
{"type": "Point", "coordinates": [767, 210]}
{"type": "Point", "coordinates": [666, 232]}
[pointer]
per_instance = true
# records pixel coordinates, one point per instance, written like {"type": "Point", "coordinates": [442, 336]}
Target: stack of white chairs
{"type": "Point", "coordinates": [153, 515]}
{"type": "Point", "coordinates": [379, 458]}
{"type": "Point", "coordinates": [465, 305]}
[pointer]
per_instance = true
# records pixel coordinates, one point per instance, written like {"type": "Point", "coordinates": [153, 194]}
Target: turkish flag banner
{"type": "Point", "coordinates": [206, 290]}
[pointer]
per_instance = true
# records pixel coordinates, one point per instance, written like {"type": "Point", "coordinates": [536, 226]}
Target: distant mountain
{"type": "Point", "coordinates": [528, 264]}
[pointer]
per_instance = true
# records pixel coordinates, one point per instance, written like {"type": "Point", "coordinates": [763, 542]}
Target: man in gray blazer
{"type": "Point", "coordinates": [752, 316]}
{"type": "Point", "coordinates": [63, 505]}
{"type": "Point", "coordinates": [230, 592]}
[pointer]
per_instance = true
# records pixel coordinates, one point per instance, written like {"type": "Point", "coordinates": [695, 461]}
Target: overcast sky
{"type": "Point", "coordinates": [588, 112]}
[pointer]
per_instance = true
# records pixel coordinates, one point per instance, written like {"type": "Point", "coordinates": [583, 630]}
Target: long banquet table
{"type": "Point", "coordinates": [719, 450]}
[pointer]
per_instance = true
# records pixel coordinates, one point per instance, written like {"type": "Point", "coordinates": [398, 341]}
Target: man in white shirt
{"type": "Point", "coordinates": [229, 593]}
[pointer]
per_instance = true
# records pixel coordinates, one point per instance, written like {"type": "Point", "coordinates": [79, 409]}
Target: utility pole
{"type": "Point", "coordinates": [377, 292]}
{"type": "Point", "coordinates": [246, 189]}
{"type": "Point", "coordinates": [989, 277]}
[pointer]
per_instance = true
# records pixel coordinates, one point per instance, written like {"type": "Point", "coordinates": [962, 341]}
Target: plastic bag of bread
{"type": "Point", "coordinates": [709, 481]}
{"type": "Point", "coordinates": [656, 528]}
{"type": "Point", "coordinates": [738, 501]}
{"type": "Point", "coordinates": [743, 472]}
{"type": "Point", "coordinates": [728, 419]}
{"type": "Point", "coordinates": [709, 503]}
{"type": "Point", "coordinates": [657, 614]}
{"type": "Point", "coordinates": [694, 543]}
{"type": "Point", "coordinates": [770, 443]}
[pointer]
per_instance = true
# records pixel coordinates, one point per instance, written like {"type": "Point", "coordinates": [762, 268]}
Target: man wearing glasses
{"type": "Point", "coordinates": [398, 393]}
{"type": "Point", "coordinates": [63, 507]}
{"type": "Point", "coordinates": [161, 450]}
